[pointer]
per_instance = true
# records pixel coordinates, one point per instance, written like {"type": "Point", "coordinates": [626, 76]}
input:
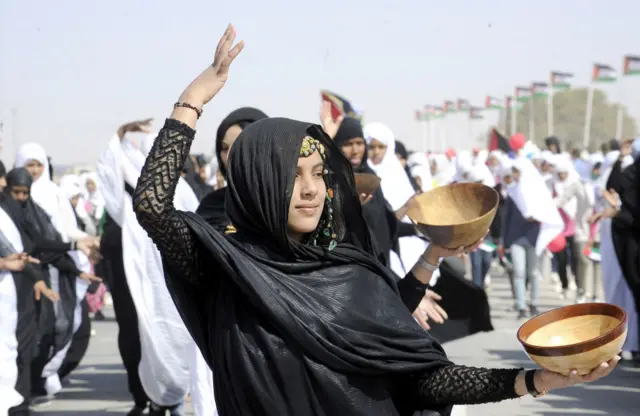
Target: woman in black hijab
{"type": "Point", "coordinates": [212, 206]}
{"type": "Point", "coordinates": [378, 214]}
{"type": "Point", "coordinates": [293, 308]}
{"type": "Point", "coordinates": [46, 244]}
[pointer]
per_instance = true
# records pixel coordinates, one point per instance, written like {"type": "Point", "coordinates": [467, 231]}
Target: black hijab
{"type": "Point", "coordinates": [378, 214]}
{"type": "Point", "coordinates": [212, 206]}
{"type": "Point", "coordinates": [36, 225]}
{"type": "Point", "coordinates": [290, 328]}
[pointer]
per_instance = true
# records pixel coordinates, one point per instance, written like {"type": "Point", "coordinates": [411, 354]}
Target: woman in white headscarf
{"type": "Point", "coordinates": [396, 188]}
{"type": "Point", "coordinates": [442, 170]}
{"type": "Point", "coordinates": [71, 186]}
{"type": "Point", "coordinates": [54, 202]}
{"type": "Point", "coordinates": [94, 204]}
{"type": "Point", "coordinates": [531, 222]}
{"type": "Point", "coordinates": [420, 169]}
{"type": "Point", "coordinates": [168, 367]}
{"type": "Point", "coordinates": [576, 201]}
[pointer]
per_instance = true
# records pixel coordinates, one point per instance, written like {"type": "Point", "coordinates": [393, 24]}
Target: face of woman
{"type": "Point", "coordinates": [307, 200]}
{"type": "Point", "coordinates": [402, 160]}
{"type": "Point", "coordinates": [516, 175]}
{"type": "Point", "coordinates": [91, 186]}
{"type": "Point", "coordinates": [20, 193]}
{"type": "Point", "coordinates": [562, 176]}
{"type": "Point", "coordinates": [377, 150]}
{"type": "Point", "coordinates": [353, 149]}
{"type": "Point", "coordinates": [227, 141]}
{"type": "Point", "coordinates": [34, 168]}
{"type": "Point", "coordinates": [508, 180]}
{"type": "Point", "coordinates": [74, 200]}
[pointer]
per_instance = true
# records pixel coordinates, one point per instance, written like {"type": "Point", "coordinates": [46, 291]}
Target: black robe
{"type": "Point", "coordinates": [625, 228]}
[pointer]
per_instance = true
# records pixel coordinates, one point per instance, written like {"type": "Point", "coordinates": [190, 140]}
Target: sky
{"type": "Point", "coordinates": [75, 70]}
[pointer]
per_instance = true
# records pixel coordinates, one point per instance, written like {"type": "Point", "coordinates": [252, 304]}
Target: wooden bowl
{"type": "Point", "coordinates": [366, 183]}
{"type": "Point", "coordinates": [456, 215]}
{"type": "Point", "coordinates": [576, 337]}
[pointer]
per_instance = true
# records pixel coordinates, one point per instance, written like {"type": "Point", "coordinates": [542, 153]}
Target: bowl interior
{"type": "Point", "coordinates": [572, 330]}
{"type": "Point", "coordinates": [453, 204]}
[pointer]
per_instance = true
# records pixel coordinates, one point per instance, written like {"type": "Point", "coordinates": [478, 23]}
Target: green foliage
{"type": "Point", "coordinates": [569, 108]}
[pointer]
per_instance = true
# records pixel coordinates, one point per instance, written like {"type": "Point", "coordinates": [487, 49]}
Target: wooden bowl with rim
{"type": "Point", "coordinates": [576, 337]}
{"type": "Point", "coordinates": [456, 215]}
{"type": "Point", "coordinates": [366, 183]}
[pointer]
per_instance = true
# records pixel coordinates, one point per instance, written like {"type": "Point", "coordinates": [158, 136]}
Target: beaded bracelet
{"type": "Point", "coordinates": [187, 105]}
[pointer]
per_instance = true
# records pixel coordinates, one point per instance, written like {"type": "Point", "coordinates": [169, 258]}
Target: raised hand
{"type": "Point", "coordinates": [139, 126]}
{"type": "Point", "coordinates": [329, 125]}
{"type": "Point", "coordinates": [212, 79]}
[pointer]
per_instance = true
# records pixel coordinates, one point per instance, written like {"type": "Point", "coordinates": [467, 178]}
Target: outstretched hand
{"type": "Point", "coordinates": [547, 380]}
{"type": "Point", "coordinates": [429, 309]}
{"type": "Point", "coordinates": [212, 79]}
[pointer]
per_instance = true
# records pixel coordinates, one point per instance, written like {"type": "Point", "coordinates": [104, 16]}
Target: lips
{"type": "Point", "coordinates": [355, 161]}
{"type": "Point", "coordinates": [307, 209]}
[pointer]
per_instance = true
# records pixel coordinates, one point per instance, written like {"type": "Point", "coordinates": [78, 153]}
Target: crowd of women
{"type": "Point", "coordinates": [265, 278]}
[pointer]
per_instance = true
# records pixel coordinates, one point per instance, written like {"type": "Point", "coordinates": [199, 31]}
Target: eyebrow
{"type": "Point", "coordinates": [318, 165]}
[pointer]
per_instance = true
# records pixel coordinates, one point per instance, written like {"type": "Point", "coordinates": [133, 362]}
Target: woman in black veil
{"type": "Point", "coordinates": [212, 206]}
{"type": "Point", "coordinates": [292, 311]}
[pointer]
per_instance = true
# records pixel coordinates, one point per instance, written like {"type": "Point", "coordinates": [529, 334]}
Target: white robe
{"type": "Point", "coordinates": [9, 397]}
{"type": "Point", "coordinates": [171, 363]}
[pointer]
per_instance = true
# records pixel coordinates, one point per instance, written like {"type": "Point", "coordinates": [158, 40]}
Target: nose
{"type": "Point", "coordinates": [308, 187]}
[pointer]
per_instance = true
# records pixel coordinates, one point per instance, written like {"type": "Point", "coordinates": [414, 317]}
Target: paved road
{"type": "Point", "coordinates": [99, 388]}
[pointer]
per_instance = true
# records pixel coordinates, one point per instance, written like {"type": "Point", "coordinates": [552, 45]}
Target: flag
{"type": "Point", "coordinates": [522, 94]}
{"type": "Point", "coordinates": [540, 89]}
{"type": "Point", "coordinates": [603, 73]}
{"type": "Point", "coordinates": [493, 102]}
{"type": "Point", "coordinates": [631, 65]}
{"type": "Point", "coordinates": [437, 112]}
{"type": "Point", "coordinates": [498, 142]}
{"type": "Point", "coordinates": [475, 113]}
{"type": "Point", "coordinates": [462, 104]}
{"type": "Point", "coordinates": [560, 80]}
{"type": "Point", "coordinates": [340, 106]}
{"type": "Point", "coordinates": [449, 107]}
{"type": "Point", "coordinates": [425, 114]}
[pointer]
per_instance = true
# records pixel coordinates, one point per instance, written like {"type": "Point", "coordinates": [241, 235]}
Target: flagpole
{"type": "Point", "coordinates": [620, 119]}
{"type": "Point", "coordinates": [550, 121]}
{"type": "Point", "coordinates": [620, 114]}
{"type": "Point", "coordinates": [532, 117]}
{"type": "Point", "coordinates": [425, 128]}
{"type": "Point", "coordinates": [587, 118]}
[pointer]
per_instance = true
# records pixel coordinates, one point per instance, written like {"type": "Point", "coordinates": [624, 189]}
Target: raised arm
{"type": "Point", "coordinates": [153, 197]}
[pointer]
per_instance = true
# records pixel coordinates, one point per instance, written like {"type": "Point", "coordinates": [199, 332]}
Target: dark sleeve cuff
{"type": "Point", "coordinates": [411, 291]}
{"type": "Point", "coordinates": [175, 125]}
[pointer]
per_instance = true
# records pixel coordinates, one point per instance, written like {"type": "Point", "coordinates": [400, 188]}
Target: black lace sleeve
{"type": "Point", "coordinates": [457, 384]}
{"type": "Point", "coordinates": [153, 199]}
